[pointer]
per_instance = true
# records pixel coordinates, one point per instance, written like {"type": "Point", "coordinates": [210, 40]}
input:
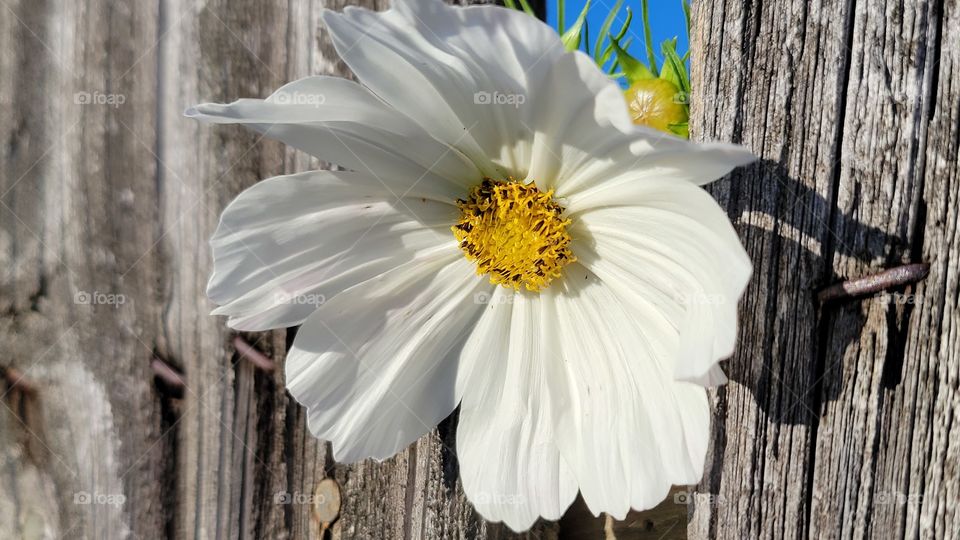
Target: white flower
{"type": "Point", "coordinates": [616, 276]}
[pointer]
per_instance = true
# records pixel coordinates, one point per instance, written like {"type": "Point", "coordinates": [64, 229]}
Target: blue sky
{"type": "Point", "coordinates": [666, 21]}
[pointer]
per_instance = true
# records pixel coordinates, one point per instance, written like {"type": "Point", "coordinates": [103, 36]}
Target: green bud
{"type": "Point", "coordinates": [657, 103]}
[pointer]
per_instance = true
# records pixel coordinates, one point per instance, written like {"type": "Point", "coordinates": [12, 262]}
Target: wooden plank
{"type": "Point", "coordinates": [108, 196]}
{"type": "Point", "coordinates": [109, 201]}
{"type": "Point", "coordinates": [413, 495]}
{"type": "Point", "coordinates": [837, 420]}
{"type": "Point", "coordinates": [77, 301]}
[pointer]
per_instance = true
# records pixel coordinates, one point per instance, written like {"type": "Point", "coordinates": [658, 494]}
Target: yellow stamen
{"type": "Point", "coordinates": [515, 233]}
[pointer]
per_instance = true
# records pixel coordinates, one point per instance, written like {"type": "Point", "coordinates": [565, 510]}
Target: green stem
{"type": "Point", "coordinates": [605, 29]}
{"type": "Point", "coordinates": [527, 9]}
{"type": "Point", "coordinates": [561, 8]}
{"type": "Point", "coordinates": [648, 37]}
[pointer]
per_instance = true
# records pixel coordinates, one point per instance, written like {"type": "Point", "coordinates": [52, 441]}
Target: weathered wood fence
{"type": "Point", "coordinates": [840, 421]}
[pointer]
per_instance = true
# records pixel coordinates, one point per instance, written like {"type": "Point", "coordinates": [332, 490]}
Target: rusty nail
{"type": "Point", "coordinates": [167, 374]}
{"type": "Point", "coordinates": [17, 380]}
{"type": "Point", "coordinates": [888, 279]}
{"type": "Point", "coordinates": [257, 358]}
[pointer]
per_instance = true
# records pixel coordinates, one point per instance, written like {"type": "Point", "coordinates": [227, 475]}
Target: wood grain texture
{"type": "Point", "coordinates": [839, 419]}
{"type": "Point", "coordinates": [838, 422]}
{"type": "Point", "coordinates": [109, 193]}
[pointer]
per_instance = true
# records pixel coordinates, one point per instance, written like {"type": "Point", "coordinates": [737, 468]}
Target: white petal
{"type": "Point", "coordinates": [289, 243]}
{"type": "Point", "coordinates": [436, 62]}
{"type": "Point", "coordinates": [376, 366]}
{"type": "Point", "coordinates": [341, 122]}
{"type": "Point", "coordinates": [616, 170]}
{"type": "Point", "coordinates": [584, 139]}
{"type": "Point", "coordinates": [576, 111]}
{"type": "Point", "coordinates": [510, 466]}
{"type": "Point", "coordinates": [675, 253]}
{"type": "Point", "coordinates": [632, 430]}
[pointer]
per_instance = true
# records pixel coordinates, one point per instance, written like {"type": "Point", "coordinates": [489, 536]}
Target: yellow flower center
{"type": "Point", "coordinates": [515, 233]}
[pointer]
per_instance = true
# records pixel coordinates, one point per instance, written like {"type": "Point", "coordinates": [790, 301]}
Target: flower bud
{"type": "Point", "coordinates": [656, 103]}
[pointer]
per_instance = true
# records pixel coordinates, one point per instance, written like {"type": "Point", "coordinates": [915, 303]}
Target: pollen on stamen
{"type": "Point", "coordinates": [515, 233]}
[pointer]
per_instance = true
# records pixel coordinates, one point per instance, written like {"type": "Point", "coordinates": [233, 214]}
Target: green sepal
{"type": "Point", "coordinates": [616, 62]}
{"type": "Point", "coordinates": [681, 129]}
{"type": "Point", "coordinates": [674, 69]}
{"type": "Point", "coordinates": [586, 37]}
{"type": "Point", "coordinates": [604, 30]}
{"type": "Point", "coordinates": [633, 69]}
{"type": "Point", "coordinates": [572, 37]}
{"type": "Point", "coordinates": [608, 51]}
